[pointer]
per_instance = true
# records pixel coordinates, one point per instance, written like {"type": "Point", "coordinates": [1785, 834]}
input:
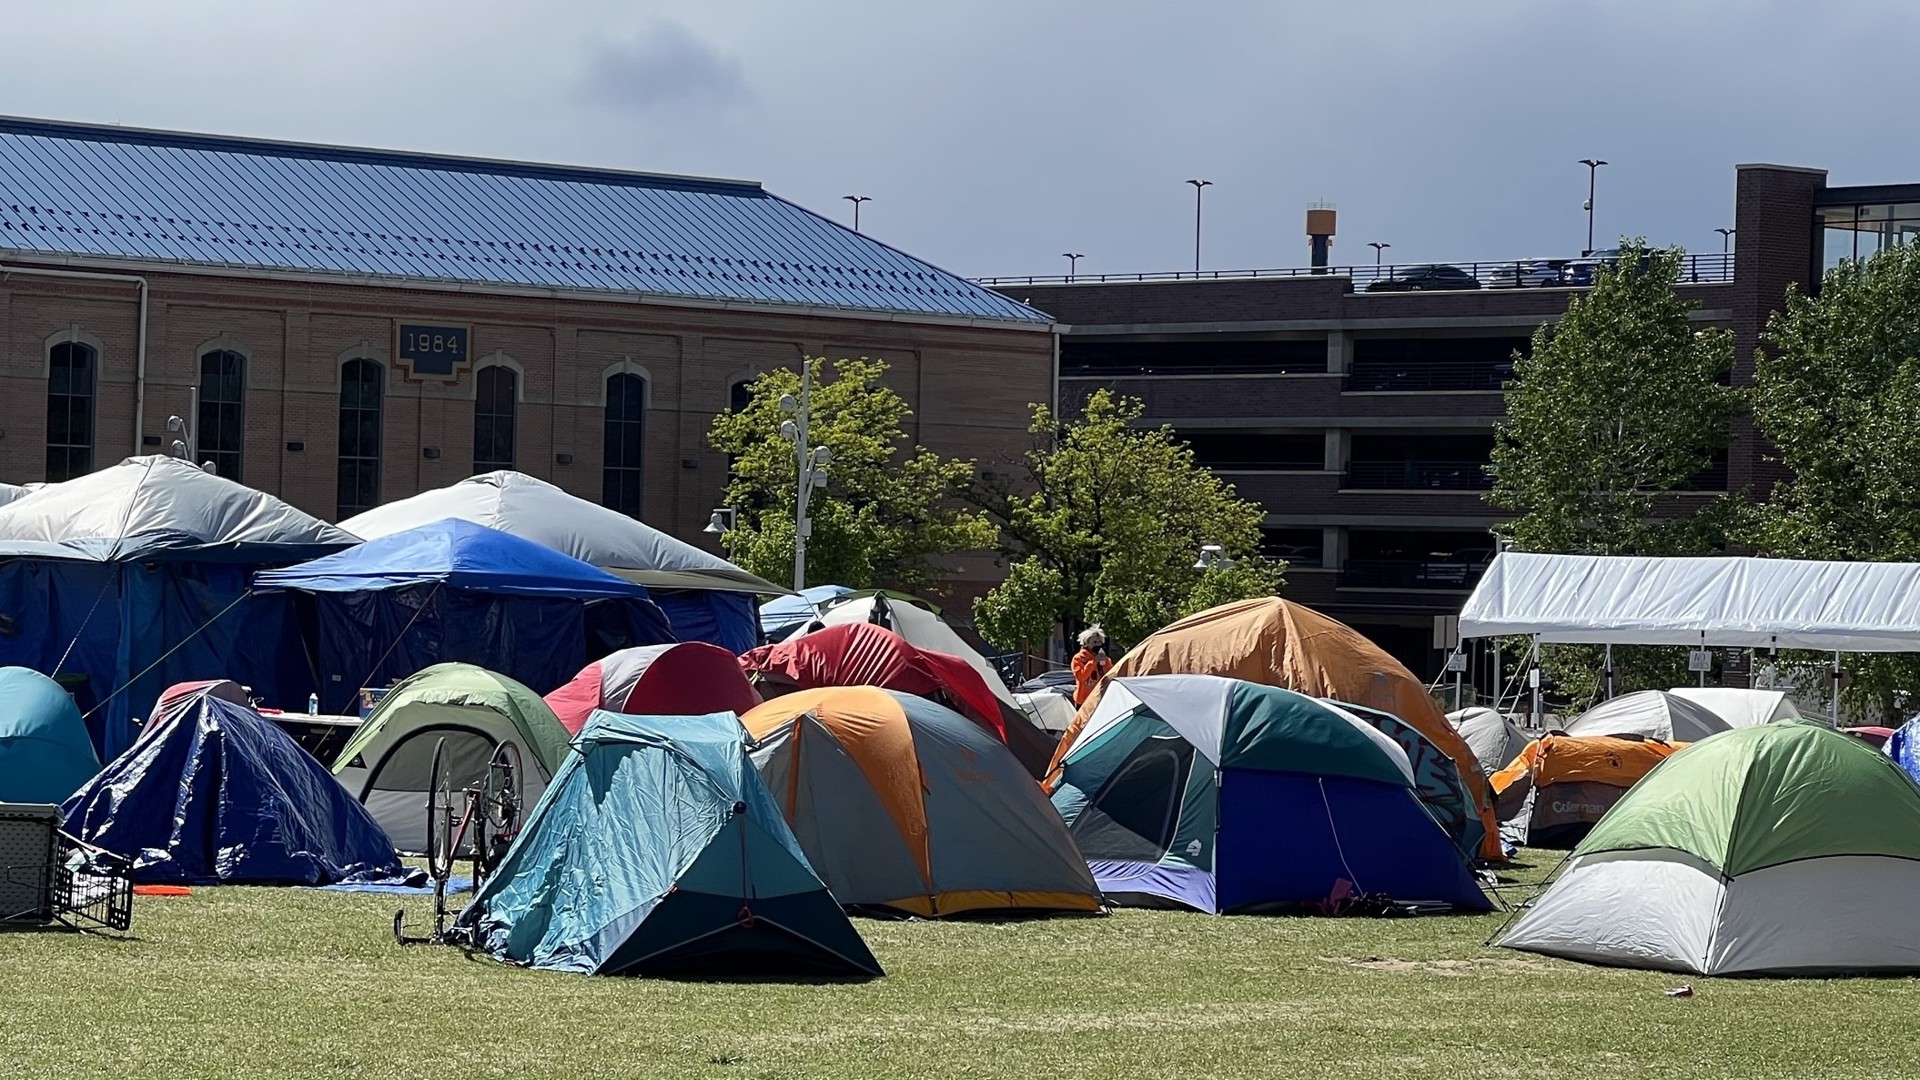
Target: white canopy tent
{"type": "Point", "coordinates": [1699, 602]}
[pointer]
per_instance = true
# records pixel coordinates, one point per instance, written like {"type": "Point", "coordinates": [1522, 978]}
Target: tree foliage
{"type": "Point", "coordinates": [889, 511]}
{"type": "Point", "coordinates": [1837, 394]}
{"type": "Point", "coordinates": [1103, 522]}
{"type": "Point", "coordinates": [1620, 406]}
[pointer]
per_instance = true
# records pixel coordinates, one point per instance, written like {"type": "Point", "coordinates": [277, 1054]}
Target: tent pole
{"type": "Point", "coordinates": [1609, 679]}
{"type": "Point", "coordinates": [1836, 688]}
{"type": "Point", "coordinates": [1703, 648]}
{"type": "Point", "coordinates": [1533, 679]}
{"type": "Point", "coordinates": [1499, 691]}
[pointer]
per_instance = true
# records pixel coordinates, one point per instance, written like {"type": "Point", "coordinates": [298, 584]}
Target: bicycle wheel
{"type": "Point", "coordinates": [439, 814]}
{"type": "Point", "coordinates": [502, 792]}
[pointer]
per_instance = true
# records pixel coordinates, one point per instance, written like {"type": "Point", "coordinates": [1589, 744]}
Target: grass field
{"type": "Point", "coordinates": [238, 982]}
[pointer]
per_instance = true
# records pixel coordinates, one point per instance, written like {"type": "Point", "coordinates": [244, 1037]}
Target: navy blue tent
{"type": "Point", "coordinates": [136, 577]}
{"type": "Point", "coordinates": [452, 590]}
{"type": "Point", "coordinates": [212, 793]}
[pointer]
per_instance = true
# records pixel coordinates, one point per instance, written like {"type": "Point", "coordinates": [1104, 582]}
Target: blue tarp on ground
{"type": "Point", "coordinates": [726, 619]}
{"type": "Point", "coordinates": [657, 849]}
{"type": "Point", "coordinates": [212, 793]}
{"type": "Point", "coordinates": [45, 754]}
{"type": "Point", "coordinates": [453, 590]}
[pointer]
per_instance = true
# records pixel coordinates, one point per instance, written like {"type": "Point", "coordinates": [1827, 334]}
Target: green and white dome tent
{"type": "Point", "coordinates": [1781, 849]}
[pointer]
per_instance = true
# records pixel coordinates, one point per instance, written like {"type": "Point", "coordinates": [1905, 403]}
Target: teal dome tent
{"type": "Point", "coordinates": [45, 754]}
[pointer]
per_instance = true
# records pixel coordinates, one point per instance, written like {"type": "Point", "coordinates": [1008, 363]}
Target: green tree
{"type": "Point", "coordinates": [1104, 521]}
{"type": "Point", "coordinates": [1837, 395]}
{"type": "Point", "coordinates": [1620, 406]}
{"type": "Point", "coordinates": [889, 510]}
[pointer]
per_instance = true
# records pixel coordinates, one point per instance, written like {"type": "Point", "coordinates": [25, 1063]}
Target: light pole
{"type": "Point", "coordinates": [1726, 240]}
{"type": "Point", "coordinates": [1377, 247]}
{"type": "Point", "coordinates": [1198, 187]}
{"type": "Point", "coordinates": [856, 200]}
{"type": "Point", "coordinates": [812, 462]}
{"type": "Point", "coordinates": [1212, 557]}
{"type": "Point", "coordinates": [1073, 262]}
{"type": "Point", "coordinates": [1593, 170]}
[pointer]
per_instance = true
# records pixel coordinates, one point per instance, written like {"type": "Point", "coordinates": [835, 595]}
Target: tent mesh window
{"type": "Point", "coordinates": [495, 400]}
{"type": "Point", "coordinates": [626, 434]}
{"type": "Point", "coordinates": [221, 427]}
{"type": "Point", "coordinates": [362, 394]}
{"type": "Point", "coordinates": [70, 375]}
{"type": "Point", "coordinates": [1134, 815]}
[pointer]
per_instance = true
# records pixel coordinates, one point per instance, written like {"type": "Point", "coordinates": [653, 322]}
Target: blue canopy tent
{"type": "Point", "coordinates": [783, 615]}
{"type": "Point", "coordinates": [214, 793]}
{"type": "Point", "coordinates": [452, 590]}
{"type": "Point", "coordinates": [135, 577]}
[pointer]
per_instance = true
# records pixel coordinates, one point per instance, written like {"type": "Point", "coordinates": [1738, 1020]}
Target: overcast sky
{"type": "Point", "coordinates": [993, 135]}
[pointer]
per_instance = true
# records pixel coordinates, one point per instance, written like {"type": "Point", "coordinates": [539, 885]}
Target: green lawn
{"type": "Point", "coordinates": [237, 982]}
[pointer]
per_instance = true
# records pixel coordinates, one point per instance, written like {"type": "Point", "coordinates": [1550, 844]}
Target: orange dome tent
{"type": "Point", "coordinates": [1561, 785]}
{"type": "Point", "coordinates": [1277, 642]}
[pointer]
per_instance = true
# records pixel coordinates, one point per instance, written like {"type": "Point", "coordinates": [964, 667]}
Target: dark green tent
{"type": "Point", "coordinates": [657, 850]}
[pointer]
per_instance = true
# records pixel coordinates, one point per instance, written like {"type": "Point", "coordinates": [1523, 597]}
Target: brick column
{"type": "Point", "coordinates": [1773, 252]}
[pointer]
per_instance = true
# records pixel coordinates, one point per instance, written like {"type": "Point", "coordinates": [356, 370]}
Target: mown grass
{"type": "Point", "coordinates": [240, 982]}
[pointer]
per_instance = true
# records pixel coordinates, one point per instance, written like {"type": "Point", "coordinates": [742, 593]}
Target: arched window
{"type": "Point", "coordinates": [71, 368]}
{"type": "Point", "coordinates": [221, 428]}
{"type": "Point", "coordinates": [496, 390]}
{"type": "Point", "coordinates": [621, 481]}
{"type": "Point", "coordinates": [362, 393]}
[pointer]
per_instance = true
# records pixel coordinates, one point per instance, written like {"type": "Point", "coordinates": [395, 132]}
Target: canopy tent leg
{"type": "Point", "coordinates": [1609, 674]}
{"type": "Point", "coordinates": [1703, 667]}
{"type": "Point", "coordinates": [1533, 680]}
{"type": "Point", "coordinates": [1836, 688]}
{"type": "Point", "coordinates": [1499, 687]}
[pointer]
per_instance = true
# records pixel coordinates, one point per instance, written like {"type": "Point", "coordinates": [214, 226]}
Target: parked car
{"type": "Point", "coordinates": [1527, 274]}
{"type": "Point", "coordinates": [1583, 270]}
{"type": "Point", "coordinates": [1423, 278]}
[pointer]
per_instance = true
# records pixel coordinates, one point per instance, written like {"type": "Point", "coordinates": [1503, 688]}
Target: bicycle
{"type": "Point", "coordinates": [482, 819]}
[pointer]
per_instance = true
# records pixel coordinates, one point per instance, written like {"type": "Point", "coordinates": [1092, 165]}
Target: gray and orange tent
{"type": "Point", "coordinates": [901, 803]}
{"type": "Point", "coordinates": [1276, 642]}
{"type": "Point", "coordinates": [1560, 786]}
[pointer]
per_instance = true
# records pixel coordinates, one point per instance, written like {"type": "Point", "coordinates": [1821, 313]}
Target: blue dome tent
{"type": "Point", "coordinates": [212, 793]}
{"type": "Point", "coordinates": [135, 577]}
{"type": "Point", "coordinates": [451, 591]}
{"type": "Point", "coordinates": [45, 754]}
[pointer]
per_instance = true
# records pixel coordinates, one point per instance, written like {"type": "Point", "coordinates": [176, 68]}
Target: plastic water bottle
{"type": "Point", "coordinates": [313, 704]}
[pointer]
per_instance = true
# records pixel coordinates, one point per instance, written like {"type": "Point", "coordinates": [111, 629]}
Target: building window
{"type": "Point", "coordinates": [70, 377]}
{"type": "Point", "coordinates": [621, 480]}
{"type": "Point", "coordinates": [496, 390]}
{"type": "Point", "coordinates": [223, 390]}
{"type": "Point", "coordinates": [362, 393]}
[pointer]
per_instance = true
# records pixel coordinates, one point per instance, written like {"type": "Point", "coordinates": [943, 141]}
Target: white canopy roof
{"type": "Point", "coordinates": [533, 509]}
{"type": "Point", "coordinates": [1623, 600]}
{"type": "Point", "coordinates": [10, 492]}
{"type": "Point", "coordinates": [148, 505]}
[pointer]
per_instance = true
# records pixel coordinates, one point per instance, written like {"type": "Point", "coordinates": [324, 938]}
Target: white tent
{"type": "Point", "coordinates": [1494, 739]}
{"type": "Point", "coordinates": [1760, 603]}
{"type": "Point", "coordinates": [536, 510]}
{"type": "Point", "coordinates": [1741, 707]}
{"type": "Point", "coordinates": [1651, 714]}
{"type": "Point", "coordinates": [154, 503]}
{"type": "Point", "coordinates": [920, 627]}
{"type": "Point", "coordinates": [1050, 710]}
{"type": "Point", "coordinates": [10, 492]}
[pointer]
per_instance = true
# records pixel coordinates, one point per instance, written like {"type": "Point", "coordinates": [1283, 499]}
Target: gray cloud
{"type": "Point", "coordinates": [665, 66]}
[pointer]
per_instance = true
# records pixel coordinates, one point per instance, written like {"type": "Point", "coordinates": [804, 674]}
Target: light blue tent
{"type": "Point", "coordinates": [781, 616]}
{"type": "Point", "coordinates": [657, 850]}
{"type": "Point", "coordinates": [45, 754]}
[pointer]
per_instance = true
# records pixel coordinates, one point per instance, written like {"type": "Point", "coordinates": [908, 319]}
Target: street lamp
{"type": "Point", "coordinates": [720, 522]}
{"type": "Point", "coordinates": [1726, 240]}
{"type": "Point", "coordinates": [1073, 262]}
{"type": "Point", "coordinates": [812, 468]}
{"type": "Point", "coordinates": [1212, 557]}
{"type": "Point", "coordinates": [856, 200]}
{"type": "Point", "coordinates": [1377, 247]}
{"type": "Point", "coordinates": [1593, 170]}
{"type": "Point", "coordinates": [1198, 186]}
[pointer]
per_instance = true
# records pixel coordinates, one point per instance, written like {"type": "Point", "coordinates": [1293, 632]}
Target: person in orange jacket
{"type": "Point", "coordinates": [1090, 664]}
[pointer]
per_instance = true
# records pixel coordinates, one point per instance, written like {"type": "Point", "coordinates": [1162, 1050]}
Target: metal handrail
{"type": "Point", "coordinates": [1395, 374]}
{"type": "Point", "coordinates": [1576, 272]}
{"type": "Point", "coordinates": [1418, 475]}
{"type": "Point", "coordinates": [1459, 575]}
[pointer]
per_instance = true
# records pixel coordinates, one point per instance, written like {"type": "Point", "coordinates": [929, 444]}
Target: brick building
{"type": "Point", "coordinates": [1360, 412]}
{"type": "Point", "coordinates": [345, 327]}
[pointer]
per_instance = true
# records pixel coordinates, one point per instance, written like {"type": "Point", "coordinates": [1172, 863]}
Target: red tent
{"type": "Point", "coordinates": [690, 678]}
{"type": "Point", "coordinates": [866, 654]}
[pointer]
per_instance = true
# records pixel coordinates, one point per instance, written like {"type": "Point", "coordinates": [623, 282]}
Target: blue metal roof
{"type": "Point", "coordinates": [166, 197]}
